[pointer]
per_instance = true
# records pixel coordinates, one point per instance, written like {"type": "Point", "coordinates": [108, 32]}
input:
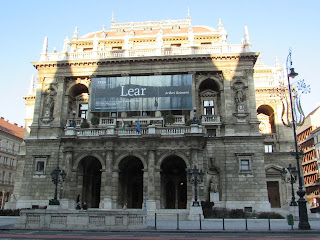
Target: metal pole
{"type": "Point", "coordinates": [303, 215]}
{"type": "Point", "coordinates": [155, 221]}
{"type": "Point", "coordinates": [223, 228]}
{"type": "Point", "coordinates": [293, 199]}
{"type": "Point", "coordinates": [195, 203]}
{"type": "Point", "coordinates": [246, 224]}
{"type": "Point", "coordinates": [177, 221]}
{"type": "Point", "coordinates": [269, 223]}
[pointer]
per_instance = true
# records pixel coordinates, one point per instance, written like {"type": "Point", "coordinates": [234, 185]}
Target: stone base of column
{"type": "Point", "coordinates": [68, 203]}
{"type": "Point", "coordinates": [106, 203]}
{"type": "Point", "coordinates": [54, 207]}
{"type": "Point", "coordinates": [151, 205]}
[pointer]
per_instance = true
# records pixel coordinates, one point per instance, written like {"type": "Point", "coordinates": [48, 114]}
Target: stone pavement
{"type": "Point", "coordinates": [214, 225]}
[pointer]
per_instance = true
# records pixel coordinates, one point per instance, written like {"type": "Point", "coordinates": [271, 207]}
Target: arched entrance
{"type": "Point", "coordinates": [90, 167]}
{"type": "Point", "coordinates": [131, 182]}
{"type": "Point", "coordinates": [173, 183]}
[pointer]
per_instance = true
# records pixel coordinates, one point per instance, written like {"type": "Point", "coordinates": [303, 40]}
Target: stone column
{"type": "Point", "coordinates": [107, 183]}
{"type": "Point", "coordinates": [58, 103]}
{"type": "Point", "coordinates": [69, 192]}
{"type": "Point", "coordinates": [37, 107]}
{"type": "Point", "coordinates": [150, 182]}
{"type": "Point", "coordinates": [114, 188]}
{"type": "Point", "coordinates": [157, 186]}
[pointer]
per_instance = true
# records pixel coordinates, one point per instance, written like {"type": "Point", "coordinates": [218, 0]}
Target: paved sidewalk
{"type": "Point", "coordinates": [214, 225]}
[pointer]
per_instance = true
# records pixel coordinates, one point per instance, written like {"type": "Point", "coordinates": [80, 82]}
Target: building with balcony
{"type": "Point", "coordinates": [308, 138]}
{"type": "Point", "coordinates": [11, 137]}
{"type": "Point", "coordinates": [124, 112]}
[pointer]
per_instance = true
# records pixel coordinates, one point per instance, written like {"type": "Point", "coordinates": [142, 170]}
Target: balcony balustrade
{"type": "Point", "coordinates": [210, 119]}
{"type": "Point", "coordinates": [152, 51]}
{"type": "Point", "coordinates": [132, 131]}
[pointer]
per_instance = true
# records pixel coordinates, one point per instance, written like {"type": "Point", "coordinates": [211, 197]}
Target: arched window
{"type": "Point", "coordinates": [266, 118]}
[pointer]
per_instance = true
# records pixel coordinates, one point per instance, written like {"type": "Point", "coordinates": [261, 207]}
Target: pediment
{"type": "Point", "coordinates": [273, 170]}
{"type": "Point", "coordinates": [208, 93]}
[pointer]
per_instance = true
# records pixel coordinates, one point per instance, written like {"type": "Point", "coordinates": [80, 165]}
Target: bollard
{"type": "Point", "coordinates": [223, 224]}
{"type": "Point", "coordinates": [155, 221]}
{"type": "Point", "coordinates": [269, 223]}
{"type": "Point", "coordinates": [246, 224]}
{"type": "Point", "coordinates": [177, 221]}
{"type": "Point", "coordinates": [200, 221]}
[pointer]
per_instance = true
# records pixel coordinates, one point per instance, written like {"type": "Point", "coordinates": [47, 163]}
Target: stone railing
{"type": "Point", "coordinates": [77, 120]}
{"type": "Point", "coordinates": [82, 219]}
{"type": "Point", "coordinates": [132, 131]}
{"type": "Point", "coordinates": [151, 51]}
{"type": "Point", "coordinates": [210, 119]}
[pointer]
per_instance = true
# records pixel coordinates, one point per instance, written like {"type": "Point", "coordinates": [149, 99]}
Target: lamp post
{"type": "Point", "coordinates": [196, 177]}
{"type": "Point", "coordinates": [293, 178]}
{"type": "Point", "coordinates": [73, 119]}
{"type": "Point", "coordinates": [195, 119]}
{"type": "Point", "coordinates": [303, 215]}
{"type": "Point", "coordinates": [55, 175]}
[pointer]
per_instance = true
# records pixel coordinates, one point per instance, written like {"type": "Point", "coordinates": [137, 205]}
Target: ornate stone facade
{"type": "Point", "coordinates": [109, 167]}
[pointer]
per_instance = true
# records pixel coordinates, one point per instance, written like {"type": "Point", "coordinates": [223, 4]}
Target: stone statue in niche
{"type": "Point", "coordinates": [50, 104]}
{"type": "Point", "coordinates": [239, 95]}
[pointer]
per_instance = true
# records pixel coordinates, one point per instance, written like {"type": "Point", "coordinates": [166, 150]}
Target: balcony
{"type": "Point", "coordinates": [132, 131]}
{"type": "Point", "coordinates": [210, 120]}
{"type": "Point", "coordinates": [151, 51]}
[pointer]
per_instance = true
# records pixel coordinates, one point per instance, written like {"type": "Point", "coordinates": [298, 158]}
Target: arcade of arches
{"type": "Point", "coordinates": [173, 189]}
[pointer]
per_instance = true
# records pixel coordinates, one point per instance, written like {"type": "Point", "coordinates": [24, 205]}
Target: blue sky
{"type": "Point", "coordinates": [274, 26]}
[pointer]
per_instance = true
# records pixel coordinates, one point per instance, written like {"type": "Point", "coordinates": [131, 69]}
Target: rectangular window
{"type": "Point", "coordinates": [268, 148]}
{"type": "Point", "coordinates": [208, 107]}
{"type": "Point", "coordinates": [83, 110]}
{"type": "Point", "coordinates": [211, 132]}
{"type": "Point", "coordinates": [245, 165]}
{"type": "Point", "coordinates": [40, 165]}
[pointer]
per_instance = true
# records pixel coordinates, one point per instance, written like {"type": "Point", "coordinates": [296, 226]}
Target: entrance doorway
{"type": "Point", "coordinates": [131, 182]}
{"type": "Point", "coordinates": [91, 170]}
{"type": "Point", "coordinates": [173, 183]}
{"type": "Point", "coordinates": [273, 194]}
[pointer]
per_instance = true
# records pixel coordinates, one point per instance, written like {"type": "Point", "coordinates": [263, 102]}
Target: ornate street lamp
{"type": "Point", "coordinates": [303, 215]}
{"type": "Point", "coordinates": [195, 177]}
{"type": "Point", "coordinates": [195, 119]}
{"type": "Point", "coordinates": [55, 175]}
{"type": "Point", "coordinates": [293, 178]}
{"type": "Point", "coordinates": [73, 124]}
